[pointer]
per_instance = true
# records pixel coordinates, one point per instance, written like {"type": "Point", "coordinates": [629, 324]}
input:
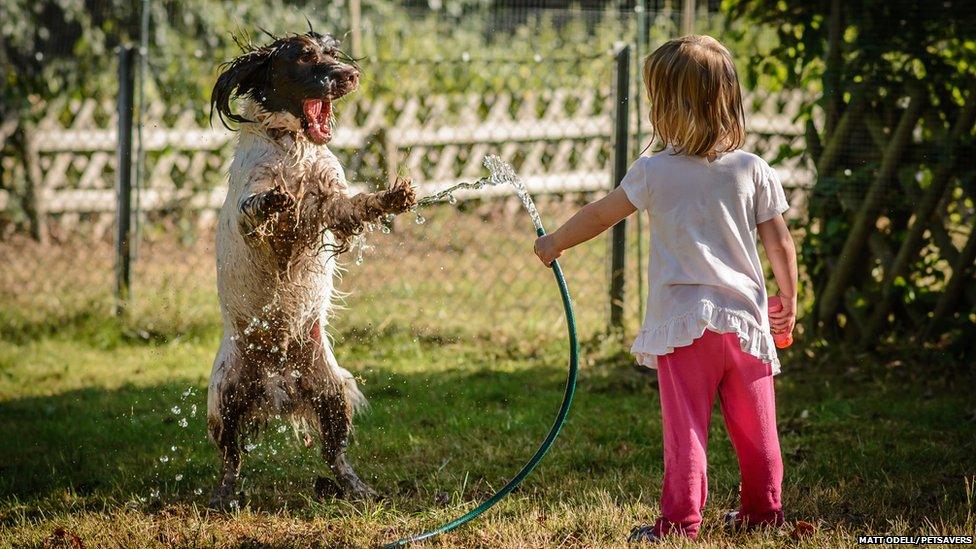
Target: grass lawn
{"type": "Point", "coordinates": [94, 443]}
{"type": "Point", "coordinates": [102, 422]}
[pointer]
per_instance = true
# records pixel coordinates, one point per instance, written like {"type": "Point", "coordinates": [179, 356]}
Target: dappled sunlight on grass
{"type": "Point", "coordinates": [463, 360]}
{"type": "Point", "coordinates": [451, 417]}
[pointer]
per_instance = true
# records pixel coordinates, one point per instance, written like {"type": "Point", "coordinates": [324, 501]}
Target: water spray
{"type": "Point", "coordinates": [501, 173]}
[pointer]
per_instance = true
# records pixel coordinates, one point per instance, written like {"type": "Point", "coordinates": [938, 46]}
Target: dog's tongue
{"type": "Point", "coordinates": [317, 112]}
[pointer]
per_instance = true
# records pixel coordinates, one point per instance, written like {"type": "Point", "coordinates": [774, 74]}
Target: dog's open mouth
{"type": "Point", "coordinates": [316, 118]}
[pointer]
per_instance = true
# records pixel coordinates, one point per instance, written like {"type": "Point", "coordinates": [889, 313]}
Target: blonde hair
{"type": "Point", "coordinates": [696, 103]}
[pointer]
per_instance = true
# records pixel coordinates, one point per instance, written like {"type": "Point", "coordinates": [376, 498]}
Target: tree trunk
{"type": "Point", "coordinates": [835, 140]}
{"type": "Point", "coordinates": [930, 200]}
{"type": "Point", "coordinates": [962, 271]}
{"type": "Point", "coordinates": [34, 197]}
{"type": "Point", "coordinates": [832, 70]}
{"type": "Point", "coordinates": [867, 215]}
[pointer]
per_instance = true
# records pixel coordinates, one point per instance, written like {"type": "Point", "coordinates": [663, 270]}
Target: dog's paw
{"type": "Point", "coordinates": [357, 490]}
{"type": "Point", "coordinates": [226, 503]}
{"type": "Point", "coordinates": [400, 197]}
{"type": "Point", "coordinates": [364, 494]}
{"type": "Point", "coordinates": [326, 489]}
{"type": "Point", "coordinates": [259, 207]}
{"type": "Point", "coordinates": [275, 200]}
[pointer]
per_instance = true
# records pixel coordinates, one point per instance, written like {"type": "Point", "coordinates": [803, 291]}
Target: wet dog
{"type": "Point", "coordinates": [287, 215]}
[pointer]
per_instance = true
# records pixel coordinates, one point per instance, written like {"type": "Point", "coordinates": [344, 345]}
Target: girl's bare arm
{"type": "Point", "coordinates": [778, 242]}
{"type": "Point", "coordinates": [588, 222]}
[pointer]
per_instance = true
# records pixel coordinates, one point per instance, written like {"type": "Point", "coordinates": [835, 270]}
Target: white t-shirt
{"type": "Point", "coordinates": [704, 269]}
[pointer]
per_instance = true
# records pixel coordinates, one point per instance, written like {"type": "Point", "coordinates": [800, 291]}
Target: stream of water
{"type": "Point", "coordinates": [500, 173]}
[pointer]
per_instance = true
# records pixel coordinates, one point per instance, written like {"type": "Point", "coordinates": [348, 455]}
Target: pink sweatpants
{"type": "Point", "coordinates": [689, 378]}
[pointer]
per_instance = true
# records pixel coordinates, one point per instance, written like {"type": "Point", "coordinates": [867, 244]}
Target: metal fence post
{"type": "Point", "coordinates": [621, 131]}
{"type": "Point", "coordinates": [688, 9]}
{"type": "Point", "coordinates": [123, 239]}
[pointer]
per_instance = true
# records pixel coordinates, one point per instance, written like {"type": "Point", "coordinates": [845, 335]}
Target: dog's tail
{"type": "Point", "coordinates": [355, 399]}
{"type": "Point", "coordinates": [306, 424]}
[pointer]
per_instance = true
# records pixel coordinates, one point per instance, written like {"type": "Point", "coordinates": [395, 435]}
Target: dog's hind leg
{"type": "Point", "coordinates": [225, 414]}
{"type": "Point", "coordinates": [335, 405]}
{"type": "Point", "coordinates": [229, 446]}
{"type": "Point", "coordinates": [335, 422]}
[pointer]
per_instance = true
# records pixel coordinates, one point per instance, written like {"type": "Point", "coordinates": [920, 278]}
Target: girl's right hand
{"type": "Point", "coordinates": [783, 320]}
{"type": "Point", "coordinates": [546, 249]}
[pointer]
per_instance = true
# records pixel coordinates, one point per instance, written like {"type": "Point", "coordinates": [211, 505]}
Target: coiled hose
{"type": "Point", "coordinates": [553, 431]}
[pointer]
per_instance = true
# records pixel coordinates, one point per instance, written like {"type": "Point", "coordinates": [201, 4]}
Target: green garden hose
{"type": "Point", "coordinates": [553, 431]}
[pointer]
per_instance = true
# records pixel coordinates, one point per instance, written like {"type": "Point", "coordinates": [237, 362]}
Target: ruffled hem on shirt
{"type": "Point", "coordinates": [682, 330]}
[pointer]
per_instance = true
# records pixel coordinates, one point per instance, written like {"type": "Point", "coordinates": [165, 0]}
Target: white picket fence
{"type": "Point", "coordinates": [559, 140]}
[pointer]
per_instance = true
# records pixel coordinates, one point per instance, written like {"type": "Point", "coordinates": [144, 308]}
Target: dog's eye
{"type": "Point", "coordinates": [308, 56]}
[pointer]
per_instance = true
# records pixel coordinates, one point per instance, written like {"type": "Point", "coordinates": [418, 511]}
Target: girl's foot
{"type": "Point", "coordinates": [643, 534]}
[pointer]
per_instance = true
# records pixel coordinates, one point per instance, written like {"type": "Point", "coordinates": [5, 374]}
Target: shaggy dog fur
{"type": "Point", "coordinates": [286, 216]}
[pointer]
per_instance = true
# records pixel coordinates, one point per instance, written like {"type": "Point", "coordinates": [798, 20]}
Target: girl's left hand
{"type": "Point", "coordinates": [547, 250]}
{"type": "Point", "coordinates": [783, 320]}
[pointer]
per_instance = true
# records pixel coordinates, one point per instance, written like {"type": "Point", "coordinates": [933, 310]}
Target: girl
{"type": "Point", "coordinates": [706, 327]}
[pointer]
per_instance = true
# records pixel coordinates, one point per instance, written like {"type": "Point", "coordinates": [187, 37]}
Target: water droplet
{"type": "Point", "coordinates": [154, 493]}
{"type": "Point", "coordinates": [451, 199]}
{"type": "Point", "coordinates": [234, 505]}
{"type": "Point", "coordinates": [385, 229]}
{"type": "Point", "coordinates": [176, 410]}
{"type": "Point", "coordinates": [172, 448]}
{"type": "Point", "coordinates": [183, 422]}
{"type": "Point", "coordinates": [198, 491]}
{"type": "Point", "coordinates": [193, 410]}
{"type": "Point", "coordinates": [420, 220]}
{"type": "Point", "coordinates": [179, 477]}
{"type": "Point", "coordinates": [282, 428]}
{"type": "Point", "coordinates": [250, 446]}
{"type": "Point", "coordinates": [296, 374]}
{"type": "Point", "coordinates": [163, 459]}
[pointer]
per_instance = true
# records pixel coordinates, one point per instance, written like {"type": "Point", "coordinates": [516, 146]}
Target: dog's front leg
{"type": "Point", "coordinates": [257, 208]}
{"type": "Point", "coordinates": [346, 216]}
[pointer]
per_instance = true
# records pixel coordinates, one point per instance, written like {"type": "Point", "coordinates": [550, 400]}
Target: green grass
{"type": "Point", "coordinates": [874, 449]}
{"type": "Point", "coordinates": [462, 389]}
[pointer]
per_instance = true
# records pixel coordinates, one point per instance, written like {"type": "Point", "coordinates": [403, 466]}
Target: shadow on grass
{"type": "Point", "coordinates": [856, 451]}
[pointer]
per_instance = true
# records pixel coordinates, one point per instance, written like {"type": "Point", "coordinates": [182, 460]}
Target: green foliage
{"type": "Point", "coordinates": [50, 49]}
{"type": "Point", "coordinates": [885, 43]}
{"type": "Point", "coordinates": [408, 54]}
{"type": "Point", "coordinates": [440, 48]}
{"type": "Point", "coordinates": [883, 51]}
{"type": "Point", "coordinates": [70, 45]}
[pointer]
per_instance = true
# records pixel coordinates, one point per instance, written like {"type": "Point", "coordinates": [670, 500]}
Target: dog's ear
{"type": "Point", "coordinates": [239, 77]}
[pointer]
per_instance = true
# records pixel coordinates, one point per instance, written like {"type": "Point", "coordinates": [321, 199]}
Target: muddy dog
{"type": "Point", "coordinates": [287, 215]}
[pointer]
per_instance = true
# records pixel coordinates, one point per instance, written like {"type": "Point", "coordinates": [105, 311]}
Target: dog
{"type": "Point", "coordinates": [288, 214]}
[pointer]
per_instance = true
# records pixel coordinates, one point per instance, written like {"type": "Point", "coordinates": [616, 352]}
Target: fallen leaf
{"type": "Point", "coordinates": [63, 538]}
{"type": "Point", "coordinates": [802, 529]}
